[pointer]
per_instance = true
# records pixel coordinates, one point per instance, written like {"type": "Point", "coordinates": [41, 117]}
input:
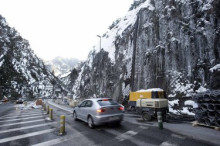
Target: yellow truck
{"type": "Point", "coordinates": [149, 102]}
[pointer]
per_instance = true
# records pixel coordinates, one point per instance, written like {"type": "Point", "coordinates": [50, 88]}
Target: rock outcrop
{"type": "Point", "coordinates": [168, 44]}
{"type": "Point", "coordinates": [22, 73]}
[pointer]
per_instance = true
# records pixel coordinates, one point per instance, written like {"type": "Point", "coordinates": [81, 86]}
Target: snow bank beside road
{"type": "Point", "coordinates": [29, 105]}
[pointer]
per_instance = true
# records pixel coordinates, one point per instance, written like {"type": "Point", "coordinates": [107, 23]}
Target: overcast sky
{"type": "Point", "coordinates": [67, 28]}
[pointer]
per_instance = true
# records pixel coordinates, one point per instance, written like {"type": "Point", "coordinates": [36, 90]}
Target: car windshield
{"type": "Point", "coordinates": [104, 102]}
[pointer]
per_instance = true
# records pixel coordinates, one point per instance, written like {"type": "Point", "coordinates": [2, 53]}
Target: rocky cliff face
{"type": "Point", "coordinates": [170, 44]}
{"type": "Point", "coordinates": [22, 73]}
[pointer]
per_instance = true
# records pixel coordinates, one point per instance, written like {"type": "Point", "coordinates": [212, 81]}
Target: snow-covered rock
{"type": "Point", "coordinates": [158, 44]}
{"type": "Point", "coordinates": [22, 73]}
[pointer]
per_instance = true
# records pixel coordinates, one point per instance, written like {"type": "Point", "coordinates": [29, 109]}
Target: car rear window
{"type": "Point", "coordinates": [105, 102]}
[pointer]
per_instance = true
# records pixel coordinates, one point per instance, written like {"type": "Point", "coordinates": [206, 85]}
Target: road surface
{"type": "Point", "coordinates": [21, 127]}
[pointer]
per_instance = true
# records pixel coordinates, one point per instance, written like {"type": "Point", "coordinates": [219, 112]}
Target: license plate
{"type": "Point", "coordinates": [113, 118]}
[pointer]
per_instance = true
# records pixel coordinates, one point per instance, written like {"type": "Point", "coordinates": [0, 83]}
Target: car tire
{"type": "Point", "coordinates": [146, 116]}
{"type": "Point", "coordinates": [74, 116]}
{"type": "Point", "coordinates": [118, 123]}
{"type": "Point", "coordinates": [90, 122]}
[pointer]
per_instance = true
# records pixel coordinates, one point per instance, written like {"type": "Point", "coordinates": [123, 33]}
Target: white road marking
{"type": "Point", "coordinates": [178, 136]}
{"type": "Point", "coordinates": [25, 135]}
{"type": "Point", "coordinates": [126, 135]}
{"type": "Point", "coordinates": [20, 112]}
{"type": "Point", "coordinates": [113, 132]}
{"type": "Point", "coordinates": [166, 143]}
{"type": "Point", "coordinates": [23, 128]}
{"type": "Point", "coordinates": [55, 141]}
{"type": "Point", "coordinates": [19, 116]}
{"type": "Point", "coordinates": [22, 119]}
{"type": "Point", "coordinates": [21, 123]}
{"type": "Point", "coordinates": [141, 124]}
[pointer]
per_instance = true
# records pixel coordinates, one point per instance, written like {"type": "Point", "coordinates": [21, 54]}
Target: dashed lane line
{"type": "Point", "coordinates": [27, 127]}
{"type": "Point", "coordinates": [25, 135]}
{"type": "Point", "coordinates": [21, 119]}
{"type": "Point", "coordinates": [22, 123]}
{"type": "Point", "coordinates": [19, 116]}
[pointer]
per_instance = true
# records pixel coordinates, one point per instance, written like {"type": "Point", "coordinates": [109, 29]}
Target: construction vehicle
{"type": "Point", "coordinates": [149, 102]}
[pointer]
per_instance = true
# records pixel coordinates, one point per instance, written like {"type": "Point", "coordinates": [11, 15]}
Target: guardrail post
{"type": "Point", "coordinates": [48, 108]}
{"type": "Point", "coordinates": [51, 114]}
{"type": "Point", "coordinates": [62, 124]}
{"type": "Point", "coordinates": [160, 121]}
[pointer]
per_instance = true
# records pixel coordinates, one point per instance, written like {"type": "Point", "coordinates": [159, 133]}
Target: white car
{"type": "Point", "coordinates": [98, 111]}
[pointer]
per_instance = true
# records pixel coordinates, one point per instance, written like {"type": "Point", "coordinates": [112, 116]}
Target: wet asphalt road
{"type": "Point", "coordinates": [31, 127]}
{"type": "Point", "coordinates": [6, 108]}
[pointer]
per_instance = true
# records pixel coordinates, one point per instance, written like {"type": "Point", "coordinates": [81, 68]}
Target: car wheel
{"type": "Point", "coordinates": [118, 123]}
{"type": "Point", "coordinates": [74, 116]}
{"type": "Point", "coordinates": [146, 116]}
{"type": "Point", "coordinates": [90, 122]}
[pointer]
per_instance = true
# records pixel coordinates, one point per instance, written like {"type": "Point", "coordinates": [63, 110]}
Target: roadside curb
{"type": "Point", "coordinates": [60, 107]}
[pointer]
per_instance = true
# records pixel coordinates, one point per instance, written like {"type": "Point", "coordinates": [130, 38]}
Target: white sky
{"type": "Point", "coordinates": [66, 28]}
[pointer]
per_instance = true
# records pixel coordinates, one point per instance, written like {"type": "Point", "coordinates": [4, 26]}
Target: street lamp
{"type": "Point", "coordinates": [100, 41]}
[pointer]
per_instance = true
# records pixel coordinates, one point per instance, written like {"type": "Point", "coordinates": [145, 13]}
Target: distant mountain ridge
{"type": "Point", "coordinates": [61, 65]}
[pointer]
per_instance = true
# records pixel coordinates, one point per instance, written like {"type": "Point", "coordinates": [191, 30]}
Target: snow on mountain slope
{"type": "Point", "coordinates": [22, 73]}
{"type": "Point", "coordinates": [158, 44]}
{"type": "Point", "coordinates": [61, 65]}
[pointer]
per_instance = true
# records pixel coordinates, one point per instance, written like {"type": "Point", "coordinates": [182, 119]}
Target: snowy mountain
{"type": "Point", "coordinates": [158, 44]}
{"type": "Point", "coordinates": [61, 65]}
{"type": "Point", "coordinates": [22, 73]}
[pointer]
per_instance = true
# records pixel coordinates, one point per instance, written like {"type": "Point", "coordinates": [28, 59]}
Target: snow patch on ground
{"type": "Point", "coordinates": [150, 90]}
{"type": "Point", "coordinates": [186, 111]}
{"type": "Point", "coordinates": [173, 111]}
{"type": "Point", "coordinates": [192, 103]}
{"type": "Point", "coordinates": [171, 103]}
{"type": "Point", "coordinates": [201, 89]}
{"type": "Point", "coordinates": [30, 105]}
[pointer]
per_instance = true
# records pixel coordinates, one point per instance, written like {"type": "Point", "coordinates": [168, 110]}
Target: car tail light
{"type": "Point", "coordinates": [101, 110]}
{"type": "Point", "coordinates": [105, 100]}
{"type": "Point", "coordinates": [121, 108]}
